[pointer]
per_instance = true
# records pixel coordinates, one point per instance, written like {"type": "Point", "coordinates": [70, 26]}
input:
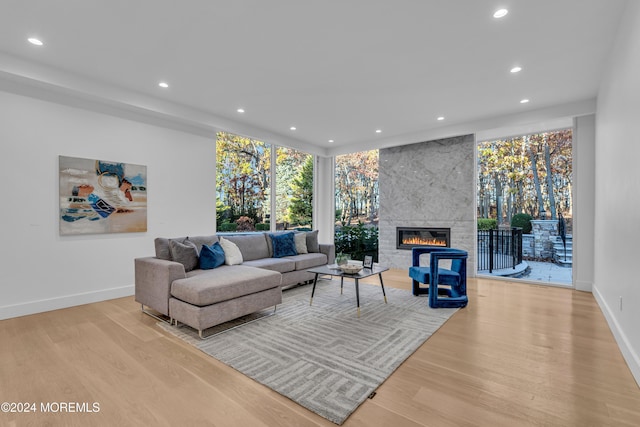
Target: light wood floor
{"type": "Point", "coordinates": [518, 355]}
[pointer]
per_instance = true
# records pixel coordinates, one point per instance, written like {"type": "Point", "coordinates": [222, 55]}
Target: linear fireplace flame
{"type": "Point", "coordinates": [409, 237]}
{"type": "Point", "coordinates": [421, 241]}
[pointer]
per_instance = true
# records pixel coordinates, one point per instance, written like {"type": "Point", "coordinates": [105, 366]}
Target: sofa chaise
{"type": "Point", "coordinates": [173, 285]}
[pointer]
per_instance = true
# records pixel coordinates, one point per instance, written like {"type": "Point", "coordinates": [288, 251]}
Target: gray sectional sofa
{"type": "Point", "coordinates": [169, 284]}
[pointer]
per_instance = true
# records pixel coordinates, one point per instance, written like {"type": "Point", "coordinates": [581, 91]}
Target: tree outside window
{"type": "Point", "coordinates": [243, 175]}
{"type": "Point", "coordinates": [357, 204]}
{"type": "Point", "coordinates": [529, 174]}
{"type": "Point", "coordinates": [294, 182]}
{"type": "Point", "coordinates": [244, 185]}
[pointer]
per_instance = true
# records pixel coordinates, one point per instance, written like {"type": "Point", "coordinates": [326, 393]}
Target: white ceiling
{"type": "Point", "coordinates": [335, 69]}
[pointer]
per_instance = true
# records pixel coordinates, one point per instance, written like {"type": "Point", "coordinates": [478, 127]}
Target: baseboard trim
{"type": "Point", "coordinates": [630, 355]}
{"type": "Point", "coordinates": [40, 306]}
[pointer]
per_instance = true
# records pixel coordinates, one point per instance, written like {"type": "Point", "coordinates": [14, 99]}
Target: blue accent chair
{"type": "Point", "coordinates": [446, 287]}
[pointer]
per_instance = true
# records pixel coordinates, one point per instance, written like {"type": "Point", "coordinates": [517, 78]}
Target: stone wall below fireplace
{"type": "Point", "coordinates": [428, 184]}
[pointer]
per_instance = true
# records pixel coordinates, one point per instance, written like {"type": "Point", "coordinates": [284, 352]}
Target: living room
{"type": "Point", "coordinates": [48, 111]}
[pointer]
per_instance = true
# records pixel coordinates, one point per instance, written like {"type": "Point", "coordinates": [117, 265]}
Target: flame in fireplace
{"type": "Point", "coordinates": [417, 240]}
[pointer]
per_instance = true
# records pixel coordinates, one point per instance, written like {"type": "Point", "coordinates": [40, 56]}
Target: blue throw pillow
{"type": "Point", "coordinates": [283, 245]}
{"type": "Point", "coordinates": [211, 256]}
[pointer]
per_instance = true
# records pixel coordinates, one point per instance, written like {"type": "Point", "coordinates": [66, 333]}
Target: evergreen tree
{"type": "Point", "coordinates": [301, 206]}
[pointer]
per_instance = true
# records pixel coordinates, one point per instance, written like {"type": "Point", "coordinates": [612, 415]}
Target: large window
{"type": "Point", "coordinates": [525, 183]}
{"type": "Point", "coordinates": [357, 204]}
{"type": "Point", "coordinates": [528, 174]}
{"type": "Point", "coordinates": [244, 185]}
{"type": "Point", "coordinates": [294, 188]}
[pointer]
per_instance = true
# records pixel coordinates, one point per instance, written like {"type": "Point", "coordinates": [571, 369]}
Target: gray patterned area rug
{"type": "Point", "coordinates": [323, 356]}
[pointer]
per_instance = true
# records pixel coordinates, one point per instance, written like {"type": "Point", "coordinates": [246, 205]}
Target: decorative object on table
{"type": "Point", "coordinates": [350, 268]}
{"type": "Point", "coordinates": [98, 196]}
{"type": "Point", "coordinates": [342, 258]}
{"type": "Point", "coordinates": [368, 261]}
{"type": "Point", "coordinates": [447, 287]}
{"type": "Point", "coordinates": [343, 376]}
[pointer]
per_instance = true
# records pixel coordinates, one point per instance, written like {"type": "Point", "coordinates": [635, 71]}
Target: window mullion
{"type": "Point", "coordinates": [272, 189]}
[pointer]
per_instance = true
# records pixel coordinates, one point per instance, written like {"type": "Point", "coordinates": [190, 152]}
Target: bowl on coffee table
{"type": "Point", "coordinates": [350, 268]}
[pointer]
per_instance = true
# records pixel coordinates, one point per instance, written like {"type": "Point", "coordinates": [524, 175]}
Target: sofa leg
{"type": "Point", "coordinates": [155, 316]}
{"type": "Point", "coordinates": [202, 335]}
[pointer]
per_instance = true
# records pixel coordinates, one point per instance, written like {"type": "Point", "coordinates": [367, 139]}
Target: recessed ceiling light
{"type": "Point", "coordinates": [516, 69]}
{"type": "Point", "coordinates": [35, 41]}
{"type": "Point", "coordinates": [292, 128]}
{"type": "Point", "coordinates": [500, 13]}
{"type": "Point", "coordinates": [378, 130]}
{"type": "Point", "coordinates": [240, 110]}
{"type": "Point", "coordinates": [163, 85]}
{"type": "Point", "coordinates": [441, 118]}
{"type": "Point", "coordinates": [524, 101]}
{"type": "Point", "coordinates": [331, 141]}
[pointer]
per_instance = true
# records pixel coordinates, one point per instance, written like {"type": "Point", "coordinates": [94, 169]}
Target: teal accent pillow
{"type": "Point", "coordinates": [211, 256]}
{"type": "Point", "coordinates": [283, 245]}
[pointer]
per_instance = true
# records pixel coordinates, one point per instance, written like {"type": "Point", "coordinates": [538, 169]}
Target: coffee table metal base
{"type": "Point", "coordinates": [367, 272]}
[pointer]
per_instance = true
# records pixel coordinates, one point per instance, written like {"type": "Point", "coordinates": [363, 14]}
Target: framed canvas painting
{"type": "Point", "coordinates": [98, 196]}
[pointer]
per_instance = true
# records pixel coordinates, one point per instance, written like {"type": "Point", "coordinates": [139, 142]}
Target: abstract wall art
{"type": "Point", "coordinates": [98, 196]}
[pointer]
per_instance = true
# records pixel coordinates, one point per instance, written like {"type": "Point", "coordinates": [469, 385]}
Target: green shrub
{"type": "Point", "coordinates": [228, 226]}
{"type": "Point", "coordinates": [522, 220]}
{"type": "Point", "coordinates": [357, 241]}
{"type": "Point", "coordinates": [262, 226]}
{"type": "Point", "coordinates": [487, 224]}
{"type": "Point", "coordinates": [222, 212]}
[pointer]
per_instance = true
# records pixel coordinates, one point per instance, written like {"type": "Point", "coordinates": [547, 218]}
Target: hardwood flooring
{"type": "Point", "coordinates": [518, 355]}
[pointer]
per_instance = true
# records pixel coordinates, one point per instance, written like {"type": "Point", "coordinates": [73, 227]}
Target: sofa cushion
{"type": "Point", "coordinates": [184, 252]}
{"type": "Point", "coordinates": [281, 265]}
{"type": "Point", "coordinates": [232, 254]}
{"type": "Point", "coordinates": [283, 245]}
{"type": "Point", "coordinates": [301, 243]}
{"type": "Point", "coordinates": [253, 245]}
{"type": "Point", "coordinates": [204, 240]}
{"type": "Point", "coordinates": [211, 256]}
{"type": "Point", "coordinates": [205, 287]}
{"type": "Point", "coordinates": [309, 260]}
{"type": "Point", "coordinates": [312, 241]}
{"type": "Point", "coordinates": [270, 242]}
{"type": "Point", "coordinates": [162, 244]}
{"type": "Point", "coordinates": [311, 237]}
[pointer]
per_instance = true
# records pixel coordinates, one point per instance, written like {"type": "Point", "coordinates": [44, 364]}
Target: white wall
{"type": "Point", "coordinates": [584, 161]}
{"type": "Point", "coordinates": [42, 270]}
{"type": "Point", "coordinates": [324, 212]}
{"type": "Point", "coordinates": [617, 187]}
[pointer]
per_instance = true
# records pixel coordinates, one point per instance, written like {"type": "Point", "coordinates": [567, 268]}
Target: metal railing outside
{"type": "Point", "coordinates": [499, 249]}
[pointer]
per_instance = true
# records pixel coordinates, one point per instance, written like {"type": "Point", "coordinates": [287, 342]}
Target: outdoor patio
{"type": "Point", "coordinates": [548, 272]}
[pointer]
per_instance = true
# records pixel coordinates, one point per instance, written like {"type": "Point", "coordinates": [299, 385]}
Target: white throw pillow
{"type": "Point", "coordinates": [301, 243]}
{"type": "Point", "coordinates": [232, 254]}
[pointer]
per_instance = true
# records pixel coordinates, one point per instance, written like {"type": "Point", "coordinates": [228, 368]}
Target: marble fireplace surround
{"type": "Point", "coordinates": [428, 184]}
